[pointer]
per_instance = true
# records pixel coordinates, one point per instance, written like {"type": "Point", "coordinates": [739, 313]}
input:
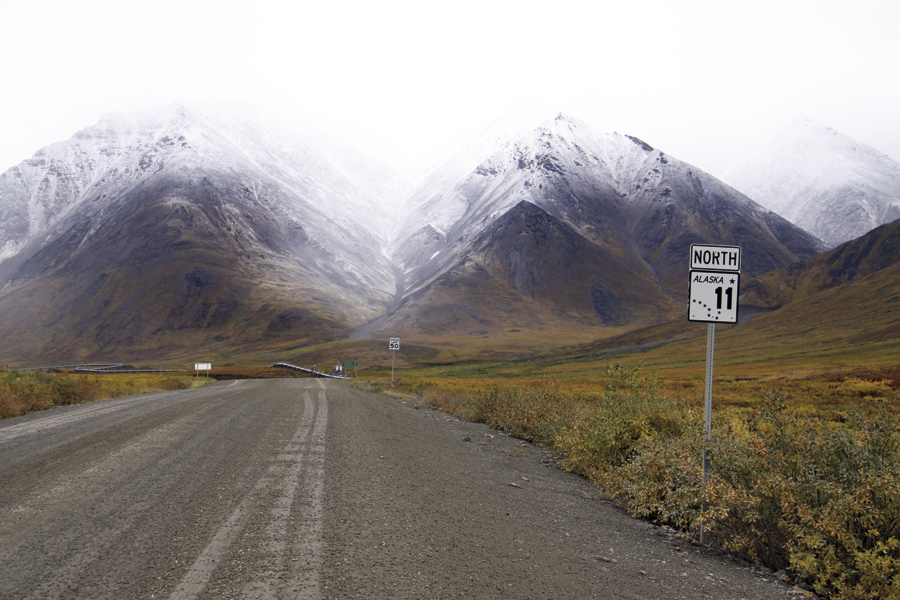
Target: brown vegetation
{"type": "Point", "coordinates": [814, 492]}
{"type": "Point", "coordinates": [22, 392]}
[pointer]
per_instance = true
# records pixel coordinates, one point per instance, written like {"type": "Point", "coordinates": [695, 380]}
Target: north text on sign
{"type": "Point", "coordinates": [716, 258]}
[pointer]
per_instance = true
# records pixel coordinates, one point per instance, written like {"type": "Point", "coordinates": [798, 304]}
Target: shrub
{"type": "Point", "coordinates": [22, 392]}
{"type": "Point", "coordinates": [788, 488]}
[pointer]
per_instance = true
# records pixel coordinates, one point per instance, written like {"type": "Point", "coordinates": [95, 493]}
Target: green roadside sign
{"type": "Point", "coordinates": [351, 364]}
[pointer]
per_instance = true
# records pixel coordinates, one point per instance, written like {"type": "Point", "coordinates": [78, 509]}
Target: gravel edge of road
{"type": "Point", "coordinates": [679, 540]}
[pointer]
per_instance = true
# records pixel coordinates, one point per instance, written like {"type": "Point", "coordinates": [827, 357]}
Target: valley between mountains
{"type": "Point", "coordinates": [518, 273]}
{"type": "Point", "coordinates": [200, 231]}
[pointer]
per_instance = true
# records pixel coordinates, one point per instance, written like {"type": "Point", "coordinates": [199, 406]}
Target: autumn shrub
{"type": "Point", "coordinates": [604, 435]}
{"type": "Point", "coordinates": [824, 498]}
{"type": "Point", "coordinates": [22, 392]}
{"type": "Point", "coordinates": [788, 488]}
{"type": "Point", "coordinates": [535, 412]}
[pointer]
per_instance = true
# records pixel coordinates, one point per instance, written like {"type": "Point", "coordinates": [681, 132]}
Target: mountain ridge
{"type": "Point", "coordinates": [827, 183]}
{"type": "Point", "coordinates": [622, 197]}
{"type": "Point", "coordinates": [213, 232]}
{"type": "Point", "coordinates": [876, 250]}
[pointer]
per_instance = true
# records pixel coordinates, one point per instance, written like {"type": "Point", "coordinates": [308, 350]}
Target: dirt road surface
{"type": "Point", "coordinates": [313, 489]}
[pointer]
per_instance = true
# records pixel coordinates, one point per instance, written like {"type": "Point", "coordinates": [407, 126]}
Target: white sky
{"type": "Point", "coordinates": [702, 80]}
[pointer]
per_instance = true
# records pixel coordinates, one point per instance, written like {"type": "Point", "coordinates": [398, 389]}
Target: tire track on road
{"type": "Point", "coordinates": [291, 492]}
{"type": "Point", "coordinates": [88, 503]}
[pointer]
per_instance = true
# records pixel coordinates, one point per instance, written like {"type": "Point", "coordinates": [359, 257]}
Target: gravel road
{"type": "Point", "coordinates": [313, 489]}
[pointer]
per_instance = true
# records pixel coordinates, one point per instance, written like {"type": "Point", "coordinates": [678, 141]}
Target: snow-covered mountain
{"type": "Point", "coordinates": [186, 219]}
{"type": "Point", "coordinates": [125, 149]}
{"type": "Point", "coordinates": [609, 187]}
{"type": "Point", "coordinates": [151, 234]}
{"type": "Point", "coordinates": [624, 210]}
{"type": "Point", "coordinates": [827, 183]}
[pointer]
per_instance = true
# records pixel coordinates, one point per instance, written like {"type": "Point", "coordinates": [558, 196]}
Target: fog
{"type": "Point", "coordinates": [703, 81]}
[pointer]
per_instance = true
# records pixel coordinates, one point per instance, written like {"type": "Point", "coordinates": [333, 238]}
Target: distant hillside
{"type": "Point", "coordinates": [874, 251]}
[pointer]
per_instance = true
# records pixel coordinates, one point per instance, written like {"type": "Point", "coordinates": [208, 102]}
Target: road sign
{"type": "Point", "coordinates": [351, 364]}
{"type": "Point", "coordinates": [713, 297]}
{"type": "Point", "coordinates": [394, 345]}
{"type": "Point", "coordinates": [202, 366]}
{"type": "Point", "coordinates": [715, 258]}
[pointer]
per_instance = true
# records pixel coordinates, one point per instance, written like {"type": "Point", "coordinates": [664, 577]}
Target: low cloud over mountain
{"type": "Point", "coordinates": [155, 234]}
{"type": "Point", "coordinates": [823, 181]}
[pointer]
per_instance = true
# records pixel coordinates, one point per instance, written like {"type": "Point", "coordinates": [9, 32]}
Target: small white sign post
{"type": "Point", "coordinates": [393, 346]}
{"type": "Point", "coordinates": [713, 298]}
{"type": "Point", "coordinates": [203, 367]}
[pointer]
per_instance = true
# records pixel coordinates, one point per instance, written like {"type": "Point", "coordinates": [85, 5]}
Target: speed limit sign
{"type": "Point", "coordinates": [395, 344]}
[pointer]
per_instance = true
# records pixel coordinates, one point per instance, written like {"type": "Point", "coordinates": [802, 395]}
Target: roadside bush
{"type": "Point", "coordinates": [606, 434]}
{"type": "Point", "coordinates": [788, 488]}
{"type": "Point", "coordinates": [22, 392]}
{"type": "Point", "coordinates": [836, 487]}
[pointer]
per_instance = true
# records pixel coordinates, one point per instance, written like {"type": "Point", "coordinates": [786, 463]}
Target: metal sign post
{"type": "Point", "coordinates": [715, 279]}
{"type": "Point", "coordinates": [394, 345]}
{"type": "Point", "coordinates": [707, 419]}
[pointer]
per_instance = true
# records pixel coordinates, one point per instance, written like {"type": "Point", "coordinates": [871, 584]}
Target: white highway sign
{"type": "Point", "coordinates": [715, 258]}
{"type": "Point", "coordinates": [714, 296]}
{"type": "Point", "coordinates": [395, 344]}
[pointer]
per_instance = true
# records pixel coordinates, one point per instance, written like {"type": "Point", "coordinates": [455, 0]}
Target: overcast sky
{"type": "Point", "coordinates": [703, 81]}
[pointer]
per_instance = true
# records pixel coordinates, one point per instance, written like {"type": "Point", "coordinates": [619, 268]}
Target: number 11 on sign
{"type": "Point", "coordinates": [729, 292]}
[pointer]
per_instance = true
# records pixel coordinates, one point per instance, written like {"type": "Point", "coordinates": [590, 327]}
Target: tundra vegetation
{"type": "Point", "coordinates": [805, 471]}
{"type": "Point", "coordinates": [805, 474]}
{"type": "Point", "coordinates": [22, 392]}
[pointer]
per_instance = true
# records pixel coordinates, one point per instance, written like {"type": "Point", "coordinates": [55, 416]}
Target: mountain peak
{"type": "Point", "coordinates": [828, 183]}
{"type": "Point", "coordinates": [565, 126]}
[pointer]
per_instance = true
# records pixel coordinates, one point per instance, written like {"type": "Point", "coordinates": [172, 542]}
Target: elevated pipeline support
{"type": "Point", "coordinates": [310, 372]}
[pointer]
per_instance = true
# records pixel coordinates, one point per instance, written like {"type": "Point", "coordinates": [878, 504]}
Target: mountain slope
{"type": "Point", "coordinates": [872, 252]}
{"type": "Point", "coordinates": [529, 270]}
{"type": "Point", "coordinates": [823, 181]}
{"type": "Point", "coordinates": [182, 230]}
{"type": "Point", "coordinates": [634, 210]}
{"type": "Point", "coordinates": [855, 325]}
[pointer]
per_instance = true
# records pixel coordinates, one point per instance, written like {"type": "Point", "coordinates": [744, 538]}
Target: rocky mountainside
{"type": "Point", "coordinates": [595, 226]}
{"type": "Point", "coordinates": [823, 181]}
{"type": "Point", "coordinates": [188, 227]}
{"type": "Point", "coordinates": [187, 231]}
{"type": "Point", "coordinates": [873, 252]}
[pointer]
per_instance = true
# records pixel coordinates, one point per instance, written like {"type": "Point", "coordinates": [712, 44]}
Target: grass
{"type": "Point", "coordinates": [806, 471]}
{"type": "Point", "coordinates": [23, 392]}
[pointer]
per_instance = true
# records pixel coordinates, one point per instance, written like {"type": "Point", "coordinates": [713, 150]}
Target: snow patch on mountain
{"type": "Point", "coordinates": [99, 163]}
{"type": "Point", "coordinates": [823, 181]}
